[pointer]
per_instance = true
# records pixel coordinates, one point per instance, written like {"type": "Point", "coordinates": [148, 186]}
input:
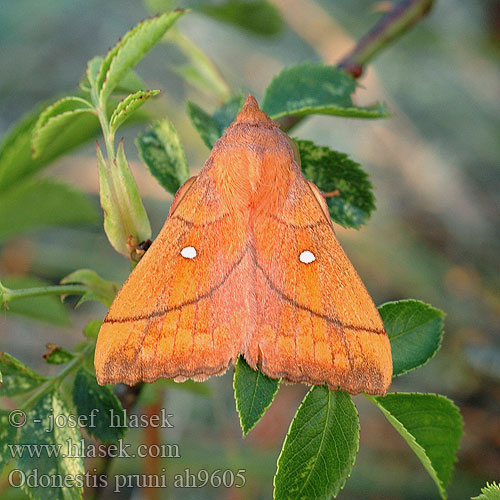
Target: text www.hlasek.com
{"type": "Point", "coordinates": [80, 449]}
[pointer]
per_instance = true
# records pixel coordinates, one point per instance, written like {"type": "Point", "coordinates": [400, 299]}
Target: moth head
{"type": "Point", "coordinates": [251, 114]}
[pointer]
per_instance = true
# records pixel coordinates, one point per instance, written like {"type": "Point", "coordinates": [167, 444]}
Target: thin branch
{"type": "Point", "coordinates": [55, 380]}
{"type": "Point", "coordinates": [392, 26]}
{"type": "Point", "coordinates": [128, 396]}
{"type": "Point", "coordinates": [6, 294]}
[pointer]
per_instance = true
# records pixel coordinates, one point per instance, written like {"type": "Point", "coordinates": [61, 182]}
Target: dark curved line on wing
{"type": "Point", "coordinates": [300, 226]}
{"type": "Point", "coordinates": [324, 317]}
{"type": "Point", "coordinates": [190, 302]}
{"type": "Point", "coordinates": [196, 224]}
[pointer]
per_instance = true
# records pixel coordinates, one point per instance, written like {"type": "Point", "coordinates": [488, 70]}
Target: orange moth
{"type": "Point", "coordinates": [248, 264]}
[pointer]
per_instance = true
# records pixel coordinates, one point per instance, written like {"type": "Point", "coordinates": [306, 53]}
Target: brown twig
{"type": "Point", "coordinates": [394, 24]}
{"type": "Point", "coordinates": [331, 194]}
{"type": "Point", "coordinates": [128, 396]}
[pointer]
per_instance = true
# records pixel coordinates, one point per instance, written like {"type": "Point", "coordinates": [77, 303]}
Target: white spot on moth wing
{"type": "Point", "coordinates": [189, 252]}
{"type": "Point", "coordinates": [307, 257]}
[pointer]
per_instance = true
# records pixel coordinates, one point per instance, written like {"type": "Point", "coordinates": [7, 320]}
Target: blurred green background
{"type": "Point", "coordinates": [435, 167]}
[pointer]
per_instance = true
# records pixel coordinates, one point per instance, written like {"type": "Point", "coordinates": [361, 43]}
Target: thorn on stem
{"type": "Point", "coordinates": [332, 194]}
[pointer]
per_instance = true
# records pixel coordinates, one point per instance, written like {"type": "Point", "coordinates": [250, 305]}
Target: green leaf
{"type": "Point", "coordinates": [8, 434]}
{"type": "Point", "coordinates": [57, 118]}
{"type": "Point", "coordinates": [48, 308]}
{"type": "Point", "coordinates": [257, 16]}
{"type": "Point", "coordinates": [60, 107]}
{"type": "Point", "coordinates": [128, 105]}
{"type": "Point", "coordinates": [129, 84]}
{"type": "Point", "coordinates": [253, 392]}
{"type": "Point", "coordinates": [307, 89]}
{"type": "Point", "coordinates": [91, 74]}
{"type": "Point", "coordinates": [56, 355]}
{"type": "Point", "coordinates": [210, 127]}
{"type": "Point", "coordinates": [226, 114]}
{"type": "Point", "coordinates": [17, 377]}
{"type": "Point", "coordinates": [160, 148]}
{"type": "Point", "coordinates": [415, 330]}
{"type": "Point", "coordinates": [489, 492]}
{"type": "Point", "coordinates": [16, 160]}
{"type": "Point", "coordinates": [199, 71]}
{"type": "Point", "coordinates": [92, 328]}
{"type": "Point", "coordinates": [320, 447]}
{"type": "Point", "coordinates": [43, 440]}
{"type": "Point", "coordinates": [125, 219]}
{"type": "Point", "coordinates": [331, 172]}
{"type": "Point", "coordinates": [98, 288]}
{"type": "Point", "coordinates": [130, 50]}
{"type": "Point", "coordinates": [15, 150]}
{"type": "Point", "coordinates": [36, 203]}
{"type": "Point", "coordinates": [206, 125]}
{"type": "Point", "coordinates": [99, 406]}
{"type": "Point", "coordinates": [432, 427]}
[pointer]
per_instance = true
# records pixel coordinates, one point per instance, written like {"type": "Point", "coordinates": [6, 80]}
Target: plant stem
{"type": "Point", "coordinates": [6, 294]}
{"type": "Point", "coordinates": [395, 23]}
{"type": "Point", "coordinates": [57, 379]}
{"type": "Point", "coordinates": [404, 15]}
{"type": "Point", "coordinates": [128, 396]}
{"type": "Point", "coordinates": [109, 138]}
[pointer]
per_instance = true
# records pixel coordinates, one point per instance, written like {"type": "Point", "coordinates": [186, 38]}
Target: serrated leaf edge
{"type": "Point", "coordinates": [341, 486]}
{"type": "Point", "coordinates": [107, 62]}
{"type": "Point", "coordinates": [350, 112]}
{"type": "Point", "coordinates": [387, 414]}
{"type": "Point", "coordinates": [442, 315]}
{"type": "Point", "coordinates": [142, 96]}
{"type": "Point", "coordinates": [42, 125]}
{"type": "Point", "coordinates": [44, 115]}
{"type": "Point", "coordinates": [489, 488]}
